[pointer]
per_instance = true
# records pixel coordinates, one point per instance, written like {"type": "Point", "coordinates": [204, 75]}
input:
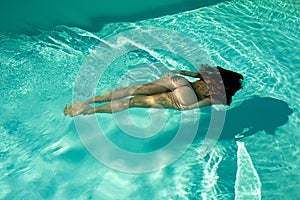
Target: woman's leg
{"type": "Point", "coordinates": [163, 85]}
{"type": "Point", "coordinates": [155, 101]}
{"type": "Point", "coordinates": [160, 86]}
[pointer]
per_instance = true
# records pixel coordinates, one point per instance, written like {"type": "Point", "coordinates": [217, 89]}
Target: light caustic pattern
{"type": "Point", "coordinates": [41, 152]}
{"type": "Point", "coordinates": [99, 60]}
{"type": "Point", "coordinates": [247, 185]}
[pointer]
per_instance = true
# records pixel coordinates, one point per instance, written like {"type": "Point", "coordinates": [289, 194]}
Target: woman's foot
{"type": "Point", "coordinates": [78, 108]}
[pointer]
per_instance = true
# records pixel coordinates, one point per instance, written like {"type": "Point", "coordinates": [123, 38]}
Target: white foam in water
{"type": "Point", "coordinates": [210, 176]}
{"type": "Point", "coordinates": [88, 34]}
{"type": "Point", "coordinates": [247, 184]}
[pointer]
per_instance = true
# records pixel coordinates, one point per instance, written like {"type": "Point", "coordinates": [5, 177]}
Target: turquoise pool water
{"type": "Point", "coordinates": [42, 156]}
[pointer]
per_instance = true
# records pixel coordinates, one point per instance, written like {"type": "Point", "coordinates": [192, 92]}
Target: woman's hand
{"type": "Point", "coordinates": [168, 75]}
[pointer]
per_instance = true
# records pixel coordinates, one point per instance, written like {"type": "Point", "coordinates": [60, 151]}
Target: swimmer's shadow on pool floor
{"type": "Point", "coordinates": [254, 115]}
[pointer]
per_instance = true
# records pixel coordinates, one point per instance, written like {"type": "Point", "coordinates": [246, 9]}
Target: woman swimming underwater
{"type": "Point", "coordinates": [215, 86]}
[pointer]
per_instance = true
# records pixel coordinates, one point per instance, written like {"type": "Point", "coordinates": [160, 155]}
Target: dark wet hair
{"type": "Point", "coordinates": [223, 83]}
{"type": "Point", "coordinates": [232, 82]}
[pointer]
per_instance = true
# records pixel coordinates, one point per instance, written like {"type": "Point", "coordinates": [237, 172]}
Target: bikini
{"type": "Point", "coordinates": [183, 94]}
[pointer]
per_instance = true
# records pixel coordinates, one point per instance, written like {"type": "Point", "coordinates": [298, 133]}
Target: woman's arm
{"type": "Point", "coordinates": [188, 73]}
{"type": "Point", "coordinates": [199, 104]}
